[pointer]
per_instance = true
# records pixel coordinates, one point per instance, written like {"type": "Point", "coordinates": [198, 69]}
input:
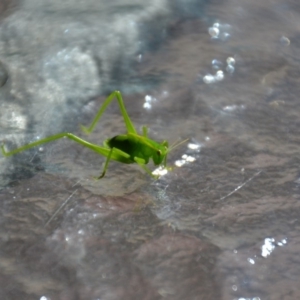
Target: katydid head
{"type": "Point", "coordinates": [160, 153]}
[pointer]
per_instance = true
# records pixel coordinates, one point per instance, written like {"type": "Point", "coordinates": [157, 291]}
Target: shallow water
{"type": "Point", "coordinates": [223, 224]}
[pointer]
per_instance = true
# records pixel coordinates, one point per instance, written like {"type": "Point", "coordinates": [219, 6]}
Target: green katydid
{"type": "Point", "coordinates": [126, 148]}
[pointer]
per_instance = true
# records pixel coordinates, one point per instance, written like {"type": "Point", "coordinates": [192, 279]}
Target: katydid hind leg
{"type": "Point", "coordinates": [46, 140]}
{"type": "Point", "coordinates": [50, 139]}
{"type": "Point", "coordinates": [114, 95]}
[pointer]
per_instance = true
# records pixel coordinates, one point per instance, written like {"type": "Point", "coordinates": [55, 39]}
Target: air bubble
{"type": "Point", "coordinates": [208, 79]}
{"type": "Point", "coordinates": [230, 108]}
{"type": "Point", "coordinates": [139, 58]}
{"type": "Point", "coordinates": [230, 69]}
{"type": "Point", "coordinates": [285, 41]}
{"type": "Point", "coordinates": [216, 64]}
{"type": "Point", "coordinates": [148, 100]}
{"type": "Point", "coordinates": [147, 105]}
{"type": "Point", "coordinates": [219, 75]}
{"type": "Point", "coordinates": [160, 171]}
{"type": "Point", "coordinates": [179, 163]}
{"type": "Point", "coordinates": [193, 146]}
{"type": "Point", "coordinates": [224, 36]}
{"type": "Point", "coordinates": [188, 158]}
{"type": "Point", "coordinates": [234, 287]}
{"type": "Point", "coordinates": [214, 32]}
{"type": "Point", "coordinates": [268, 247]}
{"type": "Point", "coordinates": [251, 261]}
{"type": "Point", "coordinates": [230, 61]}
{"type": "Point", "coordinates": [219, 31]}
